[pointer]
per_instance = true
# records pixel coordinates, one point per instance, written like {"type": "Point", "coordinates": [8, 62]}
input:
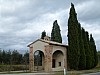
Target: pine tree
{"type": "Point", "coordinates": [93, 51]}
{"type": "Point", "coordinates": [82, 60]}
{"type": "Point", "coordinates": [55, 34]}
{"type": "Point", "coordinates": [73, 50]}
{"type": "Point", "coordinates": [43, 34]}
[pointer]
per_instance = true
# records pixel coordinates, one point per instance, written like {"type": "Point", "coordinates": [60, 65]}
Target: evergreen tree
{"type": "Point", "coordinates": [55, 34]}
{"type": "Point", "coordinates": [16, 57]}
{"type": "Point", "coordinates": [73, 50]}
{"type": "Point", "coordinates": [26, 57]}
{"type": "Point", "coordinates": [43, 34]}
{"type": "Point", "coordinates": [98, 53]}
{"type": "Point", "coordinates": [8, 57]}
{"type": "Point", "coordinates": [0, 57]}
{"type": "Point", "coordinates": [82, 60]}
{"type": "Point", "coordinates": [86, 47]}
{"type": "Point", "coordinates": [89, 52]}
{"type": "Point", "coordinates": [3, 57]}
{"type": "Point", "coordinates": [93, 51]}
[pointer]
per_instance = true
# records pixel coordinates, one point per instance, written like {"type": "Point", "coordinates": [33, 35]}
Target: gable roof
{"type": "Point", "coordinates": [49, 42]}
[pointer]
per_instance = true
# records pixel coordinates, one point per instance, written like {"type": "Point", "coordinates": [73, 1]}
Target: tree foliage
{"type": "Point", "coordinates": [98, 53]}
{"type": "Point", "coordinates": [14, 57]}
{"type": "Point", "coordinates": [82, 59]}
{"type": "Point", "coordinates": [82, 52]}
{"type": "Point", "coordinates": [93, 52]}
{"type": "Point", "coordinates": [73, 50]}
{"type": "Point", "coordinates": [43, 34]}
{"type": "Point", "coordinates": [26, 58]}
{"type": "Point", "coordinates": [87, 49]}
{"type": "Point", "coordinates": [55, 34]}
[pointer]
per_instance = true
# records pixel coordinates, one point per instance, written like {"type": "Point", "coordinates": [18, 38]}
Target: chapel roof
{"type": "Point", "coordinates": [49, 42]}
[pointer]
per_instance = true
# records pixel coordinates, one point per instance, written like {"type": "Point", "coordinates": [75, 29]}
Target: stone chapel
{"type": "Point", "coordinates": [46, 55]}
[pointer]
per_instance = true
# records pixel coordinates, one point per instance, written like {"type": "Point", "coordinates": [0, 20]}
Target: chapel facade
{"type": "Point", "coordinates": [46, 55]}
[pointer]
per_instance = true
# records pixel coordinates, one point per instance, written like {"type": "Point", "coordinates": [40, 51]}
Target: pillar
{"type": "Point", "coordinates": [31, 61]}
{"type": "Point", "coordinates": [65, 59]}
{"type": "Point", "coordinates": [48, 58]}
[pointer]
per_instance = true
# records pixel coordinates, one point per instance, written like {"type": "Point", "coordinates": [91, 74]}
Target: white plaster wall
{"type": "Point", "coordinates": [60, 58]}
{"type": "Point", "coordinates": [39, 45]}
{"type": "Point", "coordinates": [63, 49]}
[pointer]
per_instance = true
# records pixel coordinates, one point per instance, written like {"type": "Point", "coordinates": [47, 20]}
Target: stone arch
{"type": "Point", "coordinates": [38, 60]}
{"type": "Point", "coordinates": [58, 59]}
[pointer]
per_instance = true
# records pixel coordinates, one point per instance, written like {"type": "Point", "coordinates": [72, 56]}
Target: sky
{"type": "Point", "coordinates": [22, 21]}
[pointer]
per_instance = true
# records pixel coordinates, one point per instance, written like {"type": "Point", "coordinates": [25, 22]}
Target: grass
{"type": "Point", "coordinates": [79, 72]}
{"type": "Point", "coordinates": [94, 70]}
{"type": "Point", "coordinates": [12, 67]}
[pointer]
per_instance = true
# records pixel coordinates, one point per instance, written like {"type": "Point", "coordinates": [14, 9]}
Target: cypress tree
{"type": "Point", "coordinates": [73, 50]}
{"type": "Point", "coordinates": [82, 60]}
{"type": "Point", "coordinates": [43, 34]}
{"type": "Point", "coordinates": [86, 47]}
{"type": "Point", "coordinates": [55, 34]}
{"type": "Point", "coordinates": [89, 56]}
{"type": "Point", "coordinates": [93, 51]}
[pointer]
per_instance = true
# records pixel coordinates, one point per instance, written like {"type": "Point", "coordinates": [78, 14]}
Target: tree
{"type": "Point", "coordinates": [73, 50]}
{"type": "Point", "coordinates": [3, 57]}
{"type": "Point", "coordinates": [26, 57]}
{"type": "Point", "coordinates": [43, 34]}
{"type": "Point", "coordinates": [0, 56]}
{"type": "Point", "coordinates": [8, 57]}
{"type": "Point", "coordinates": [93, 51]}
{"type": "Point", "coordinates": [16, 57]}
{"type": "Point", "coordinates": [98, 53]}
{"type": "Point", "coordinates": [87, 49]}
{"type": "Point", "coordinates": [82, 60]}
{"type": "Point", "coordinates": [55, 34]}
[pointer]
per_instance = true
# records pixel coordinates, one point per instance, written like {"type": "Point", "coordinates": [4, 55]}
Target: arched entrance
{"type": "Point", "coordinates": [38, 60]}
{"type": "Point", "coordinates": [58, 59]}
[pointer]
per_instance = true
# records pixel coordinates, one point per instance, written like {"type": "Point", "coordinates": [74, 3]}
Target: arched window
{"type": "Point", "coordinates": [38, 57]}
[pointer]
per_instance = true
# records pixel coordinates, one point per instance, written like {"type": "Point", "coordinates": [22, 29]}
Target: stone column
{"type": "Point", "coordinates": [65, 59]}
{"type": "Point", "coordinates": [48, 58]}
{"type": "Point", "coordinates": [31, 61]}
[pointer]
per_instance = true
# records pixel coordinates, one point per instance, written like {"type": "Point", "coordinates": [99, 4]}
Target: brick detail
{"type": "Point", "coordinates": [48, 58]}
{"type": "Point", "coordinates": [31, 62]}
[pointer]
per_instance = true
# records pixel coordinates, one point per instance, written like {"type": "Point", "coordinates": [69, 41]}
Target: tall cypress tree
{"type": "Point", "coordinates": [82, 60]}
{"type": "Point", "coordinates": [73, 50]}
{"type": "Point", "coordinates": [55, 34]}
{"type": "Point", "coordinates": [43, 34]}
{"type": "Point", "coordinates": [86, 47]}
{"type": "Point", "coordinates": [93, 51]}
{"type": "Point", "coordinates": [89, 53]}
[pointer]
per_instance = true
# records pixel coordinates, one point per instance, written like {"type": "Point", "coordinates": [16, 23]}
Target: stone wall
{"type": "Point", "coordinates": [48, 58]}
{"type": "Point", "coordinates": [31, 62]}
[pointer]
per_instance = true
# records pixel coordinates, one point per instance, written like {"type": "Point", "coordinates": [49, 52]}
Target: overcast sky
{"type": "Point", "coordinates": [22, 21]}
